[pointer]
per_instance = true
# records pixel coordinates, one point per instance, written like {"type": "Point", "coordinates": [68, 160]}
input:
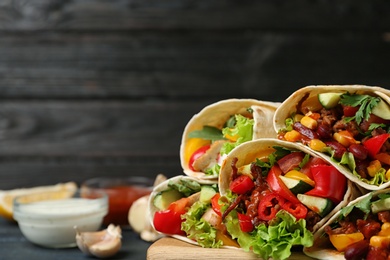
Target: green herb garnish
{"type": "Point", "coordinates": [365, 103]}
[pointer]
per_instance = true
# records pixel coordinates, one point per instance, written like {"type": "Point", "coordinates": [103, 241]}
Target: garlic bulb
{"type": "Point", "coordinates": [102, 244]}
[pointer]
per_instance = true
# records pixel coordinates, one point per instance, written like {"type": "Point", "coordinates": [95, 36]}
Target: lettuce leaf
{"type": "Point", "coordinates": [349, 160]}
{"type": "Point", "coordinates": [273, 241]}
{"type": "Point", "coordinates": [197, 228]}
{"type": "Point", "coordinates": [243, 129]}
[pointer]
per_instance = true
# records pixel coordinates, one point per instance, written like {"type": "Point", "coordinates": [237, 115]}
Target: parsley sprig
{"type": "Point", "coordinates": [365, 102]}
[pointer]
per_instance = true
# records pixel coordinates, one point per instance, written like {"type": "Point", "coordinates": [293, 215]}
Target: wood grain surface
{"type": "Point", "coordinates": [171, 248]}
{"type": "Point", "coordinates": [105, 88]}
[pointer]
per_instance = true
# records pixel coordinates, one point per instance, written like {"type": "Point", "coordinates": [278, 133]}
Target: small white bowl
{"type": "Point", "coordinates": [51, 222]}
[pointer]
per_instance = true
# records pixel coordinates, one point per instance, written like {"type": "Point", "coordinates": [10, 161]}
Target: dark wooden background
{"type": "Point", "coordinates": [105, 88]}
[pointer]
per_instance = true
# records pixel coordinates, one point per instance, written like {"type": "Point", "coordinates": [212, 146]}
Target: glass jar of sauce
{"type": "Point", "coordinates": [122, 192]}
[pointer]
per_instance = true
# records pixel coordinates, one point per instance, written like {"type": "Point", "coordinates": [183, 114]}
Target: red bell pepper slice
{"type": "Point", "coordinates": [312, 161]}
{"type": "Point", "coordinates": [330, 183]}
{"type": "Point", "coordinates": [374, 144]}
{"type": "Point", "coordinates": [169, 221]}
{"type": "Point", "coordinates": [290, 161]}
{"type": "Point", "coordinates": [245, 221]}
{"type": "Point", "coordinates": [297, 210]}
{"type": "Point", "coordinates": [242, 184]}
{"type": "Point", "coordinates": [215, 205]}
{"type": "Point", "coordinates": [277, 185]}
{"type": "Point", "coordinates": [269, 206]}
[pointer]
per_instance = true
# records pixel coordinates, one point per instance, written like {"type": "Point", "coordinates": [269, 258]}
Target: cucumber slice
{"type": "Point", "coordinates": [206, 193]}
{"type": "Point", "coordinates": [382, 110]}
{"type": "Point", "coordinates": [329, 100]}
{"type": "Point", "coordinates": [321, 206]}
{"type": "Point", "coordinates": [380, 205]}
{"type": "Point", "coordinates": [296, 186]}
{"type": "Point", "coordinates": [164, 198]}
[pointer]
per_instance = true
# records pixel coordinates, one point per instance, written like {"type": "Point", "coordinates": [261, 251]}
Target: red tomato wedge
{"type": "Point", "coordinates": [242, 184]}
{"type": "Point", "coordinates": [169, 221]}
{"type": "Point", "coordinates": [245, 222]}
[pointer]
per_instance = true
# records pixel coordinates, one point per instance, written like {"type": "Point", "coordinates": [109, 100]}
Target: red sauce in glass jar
{"type": "Point", "coordinates": [122, 192]}
{"type": "Point", "coordinates": [120, 200]}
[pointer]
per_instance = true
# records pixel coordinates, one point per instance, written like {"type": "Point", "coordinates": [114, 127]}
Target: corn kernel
{"type": "Point", "coordinates": [317, 145]}
{"type": "Point", "coordinates": [388, 174]}
{"type": "Point", "coordinates": [380, 241]}
{"type": "Point", "coordinates": [385, 225]}
{"type": "Point", "coordinates": [341, 139]}
{"type": "Point", "coordinates": [309, 122]}
{"type": "Point", "coordinates": [292, 136]}
{"type": "Point", "coordinates": [374, 167]}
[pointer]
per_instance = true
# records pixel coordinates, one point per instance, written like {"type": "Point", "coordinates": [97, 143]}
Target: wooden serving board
{"type": "Point", "coordinates": [171, 248]}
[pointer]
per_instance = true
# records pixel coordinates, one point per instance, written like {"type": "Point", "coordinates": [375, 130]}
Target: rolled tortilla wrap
{"type": "Point", "coordinates": [249, 153]}
{"type": "Point", "coordinates": [199, 202]}
{"type": "Point", "coordinates": [370, 226]}
{"type": "Point", "coordinates": [345, 119]}
{"type": "Point", "coordinates": [216, 116]}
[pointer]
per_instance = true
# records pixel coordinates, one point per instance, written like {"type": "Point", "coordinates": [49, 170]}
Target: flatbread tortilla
{"type": "Point", "coordinates": [290, 106]}
{"type": "Point", "coordinates": [164, 186]}
{"type": "Point", "coordinates": [218, 113]}
{"type": "Point", "coordinates": [261, 148]}
{"type": "Point", "coordinates": [322, 248]}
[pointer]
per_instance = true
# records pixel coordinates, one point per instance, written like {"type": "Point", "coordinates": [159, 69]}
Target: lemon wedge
{"type": "Point", "coordinates": [58, 191]}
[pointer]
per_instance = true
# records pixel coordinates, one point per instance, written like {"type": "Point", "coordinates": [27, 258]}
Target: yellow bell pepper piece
{"type": "Point", "coordinates": [192, 145]}
{"type": "Point", "coordinates": [297, 175]}
{"type": "Point", "coordinates": [342, 241]}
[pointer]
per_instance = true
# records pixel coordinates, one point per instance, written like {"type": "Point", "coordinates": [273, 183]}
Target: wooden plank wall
{"type": "Point", "coordinates": [105, 88]}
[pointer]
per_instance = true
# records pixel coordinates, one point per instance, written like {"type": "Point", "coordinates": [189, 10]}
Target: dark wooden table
{"type": "Point", "coordinates": [14, 246]}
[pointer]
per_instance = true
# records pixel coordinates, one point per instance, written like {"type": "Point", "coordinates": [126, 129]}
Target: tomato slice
{"type": "Point", "coordinates": [215, 205]}
{"type": "Point", "coordinates": [290, 161]}
{"type": "Point", "coordinates": [277, 185]}
{"type": "Point", "coordinates": [245, 222]}
{"type": "Point", "coordinates": [198, 153]}
{"type": "Point", "coordinates": [350, 111]}
{"type": "Point", "coordinates": [297, 210]}
{"type": "Point", "coordinates": [242, 184]}
{"type": "Point", "coordinates": [269, 206]}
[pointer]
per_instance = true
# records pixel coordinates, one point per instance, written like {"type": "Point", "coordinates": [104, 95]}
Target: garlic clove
{"type": "Point", "coordinates": [139, 218]}
{"type": "Point", "coordinates": [102, 244]}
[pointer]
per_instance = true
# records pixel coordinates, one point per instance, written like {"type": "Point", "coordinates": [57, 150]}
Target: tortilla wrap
{"type": "Point", "coordinates": [163, 187]}
{"type": "Point", "coordinates": [291, 105]}
{"type": "Point", "coordinates": [217, 114]}
{"type": "Point", "coordinates": [322, 248]}
{"type": "Point", "coordinates": [261, 148]}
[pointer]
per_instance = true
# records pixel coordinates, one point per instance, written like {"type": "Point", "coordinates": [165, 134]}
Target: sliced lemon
{"type": "Point", "coordinates": [58, 191]}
